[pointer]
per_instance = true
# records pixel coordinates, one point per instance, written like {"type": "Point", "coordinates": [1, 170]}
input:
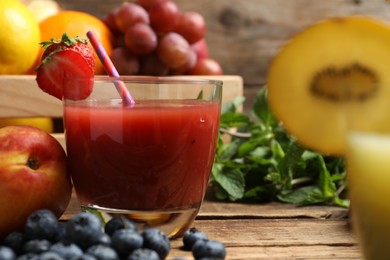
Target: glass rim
{"type": "Point", "coordinates": [153, 79]}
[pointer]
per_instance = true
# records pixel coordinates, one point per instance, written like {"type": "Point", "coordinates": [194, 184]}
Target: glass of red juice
{"type": "Point", "coordinates": [150, 161]}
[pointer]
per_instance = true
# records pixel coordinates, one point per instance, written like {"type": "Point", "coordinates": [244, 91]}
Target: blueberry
{"type": "Point", "coordinates": [6, 253]}
{"type": "Point", "coordinates": [104, 239]}
{"type": "Point", "coordinates": [36, 246]}
{"type": "Point", "coordinates": [156, 240]}
{"type": "Point", "coordinates": [103, 252]}
{"type": "Point", "coordinates": [41, 224]}
{"type": "Point", "coordinates": [126, 241]}
{"type": "Point", "coordinates": [208, 249]}
{"type": "Point", "coordinates": [28, 256]}
{"type": "Point", "coordinates": [117, 223]}
{"type": "Point", "coordinates": [191, 236]}
{"type": "Point", "coordinates": [83, 229]}
{"type": "Point", "coordinates": [66, 250]}
{"type": "Point", "coordinates": [50, 255]}
{"type": "Point", "coordinates": [86, 257]}
{"type": "Point", "coordinates": [61, 231]}
{"type": "Point", "coordinates": [143, 253]}
{"type": "Point", "coordinates": [14, 240]}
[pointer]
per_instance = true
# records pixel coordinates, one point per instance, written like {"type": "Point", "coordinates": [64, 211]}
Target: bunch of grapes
{"type": "Point", "coordinates": [153, 37]}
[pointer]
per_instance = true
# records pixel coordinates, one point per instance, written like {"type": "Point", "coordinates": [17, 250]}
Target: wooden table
{"type": "Point", "coordinates": [271, 231]}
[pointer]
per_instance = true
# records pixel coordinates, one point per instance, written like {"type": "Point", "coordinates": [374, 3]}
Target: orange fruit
{"type": "Point", "coordinates": [76, 23]}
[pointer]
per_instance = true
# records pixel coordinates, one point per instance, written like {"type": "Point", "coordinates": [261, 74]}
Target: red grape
{"type": "Point", "coordinates": [192, 26]}
{"type": "Point", "coordinates": [149, 3]}
{"type": "Point", "coordinates": [206, 67]}
{"type": "Point", "coordinates": [201, 49]}
{"type": "Point", "coordinates": [130, 14]}
{"type": "Point", "coordinates": [140, 39]}
{"type": "Point", "coordinates": [173, 50]}
{"type": "Point", "coordinates": [189, 65]}
{"type": "Point", "coordinates": [110, 22]}
{"type": "Point", "coordinates": [119, 40]}
{"type": "Point", "coordinates": [164, 16]}
{"type": "Point", "coordinates": [151, 65]}
{"type": "Point", "coordinates": [124, 61]}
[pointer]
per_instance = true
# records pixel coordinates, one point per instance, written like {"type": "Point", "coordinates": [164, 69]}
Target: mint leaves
{"type": "Point", "coordinates": [260, 162]}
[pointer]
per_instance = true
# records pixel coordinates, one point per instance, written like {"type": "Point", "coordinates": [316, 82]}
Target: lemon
{"type": "Point", "coordinates": [43, 123]}
{"type": "Point", "coordinates": [19, 38]}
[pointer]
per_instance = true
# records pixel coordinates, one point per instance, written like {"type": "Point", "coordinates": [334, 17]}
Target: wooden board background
{"type": "Point", "coordinates": [244, 35]}
{"type": "Point", "coordinates": [21, 96]}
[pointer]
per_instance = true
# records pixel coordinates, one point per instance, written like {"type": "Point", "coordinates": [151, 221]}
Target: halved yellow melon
{"type": "Point", "coordinates": [332, 76]}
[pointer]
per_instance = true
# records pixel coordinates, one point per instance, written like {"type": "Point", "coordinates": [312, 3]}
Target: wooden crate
{"type": "Point", "coordinates": [21, 97]}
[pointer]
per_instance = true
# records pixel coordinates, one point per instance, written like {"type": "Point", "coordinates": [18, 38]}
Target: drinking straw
{"type": "Point", "coordinates": [110, 68]}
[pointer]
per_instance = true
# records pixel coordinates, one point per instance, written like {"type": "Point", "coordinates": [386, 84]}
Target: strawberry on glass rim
{"type": "Point", "coordinates": [66, 57]}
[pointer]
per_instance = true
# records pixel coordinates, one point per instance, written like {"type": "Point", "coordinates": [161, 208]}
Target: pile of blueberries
{"type": "Point", "coordinates": [83, 237]}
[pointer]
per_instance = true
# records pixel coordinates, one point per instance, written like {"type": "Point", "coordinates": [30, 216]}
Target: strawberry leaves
{"type": "Point", "coordinates": [66, 40]}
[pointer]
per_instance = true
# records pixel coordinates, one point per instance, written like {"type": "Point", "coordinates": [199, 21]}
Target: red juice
{"type": "Point", "coordinates": [156, 155]}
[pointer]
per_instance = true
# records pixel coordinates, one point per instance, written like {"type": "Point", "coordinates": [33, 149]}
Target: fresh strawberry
{"type": "Point", "coordinates": [67, 57]}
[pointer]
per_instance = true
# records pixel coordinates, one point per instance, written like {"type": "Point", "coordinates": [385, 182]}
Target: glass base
{"type": "Point", "coordinates": [173, 223]}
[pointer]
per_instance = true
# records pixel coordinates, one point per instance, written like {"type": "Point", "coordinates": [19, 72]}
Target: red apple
{"type": "Point", "coordinates": [33, 175]}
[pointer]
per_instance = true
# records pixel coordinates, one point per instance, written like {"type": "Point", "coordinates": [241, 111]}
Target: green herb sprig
{"type": "Point", "coordinates": [261, 162]}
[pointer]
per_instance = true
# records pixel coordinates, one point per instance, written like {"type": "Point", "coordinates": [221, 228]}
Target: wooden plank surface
{"type": "Point", "coordinates": [232, 210]}
{"type": "Point", "coordinates": [217, 209]}
{"type": "Point", "coordinates": [21, 97]}
{"type": "Point", "coordinates": [271, 231]}
{"type": "Point", "coordinates": [279, 239]}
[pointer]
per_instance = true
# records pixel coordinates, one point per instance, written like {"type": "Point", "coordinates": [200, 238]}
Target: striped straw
{"type": "Point", "coordinates": [110, 68]}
